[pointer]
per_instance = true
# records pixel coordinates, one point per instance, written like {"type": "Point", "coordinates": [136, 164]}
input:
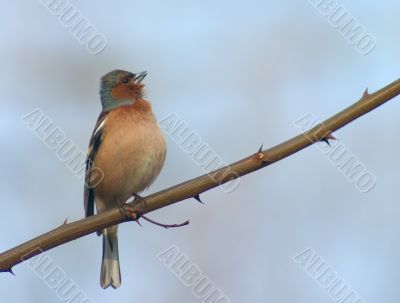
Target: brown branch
{"type": "Point", "coordinates": [193, 188]}
{"type": "Point", "coordinates": [166, 226]}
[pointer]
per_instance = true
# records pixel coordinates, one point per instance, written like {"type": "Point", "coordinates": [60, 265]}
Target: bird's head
{"type": "Point", "coordinates": [119, 87]}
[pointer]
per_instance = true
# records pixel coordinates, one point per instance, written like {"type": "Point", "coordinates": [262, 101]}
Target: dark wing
{"type": "Point", "coordinates": [90, 177]}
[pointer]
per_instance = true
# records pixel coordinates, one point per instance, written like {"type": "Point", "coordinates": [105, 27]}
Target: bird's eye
{"type": "Point", "coordinates": [126, 80]}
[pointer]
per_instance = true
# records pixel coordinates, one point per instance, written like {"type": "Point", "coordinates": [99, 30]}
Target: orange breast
{"type": "Point", "coordinates": [131, 154]}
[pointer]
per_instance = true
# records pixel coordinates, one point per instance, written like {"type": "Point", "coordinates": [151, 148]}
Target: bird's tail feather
{"type": "Point", "coordinates": [110, 271]}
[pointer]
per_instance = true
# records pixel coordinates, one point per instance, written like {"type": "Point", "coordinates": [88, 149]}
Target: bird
{"type": "Point", "coordinates": [126, 153]}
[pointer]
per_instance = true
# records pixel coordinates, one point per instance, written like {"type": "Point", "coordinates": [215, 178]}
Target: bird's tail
{"type": "Point", "coordinates": [110, 272]}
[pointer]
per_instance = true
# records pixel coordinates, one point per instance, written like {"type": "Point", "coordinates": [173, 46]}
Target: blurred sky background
{"type": "Point", "coordinates": [240, 73]}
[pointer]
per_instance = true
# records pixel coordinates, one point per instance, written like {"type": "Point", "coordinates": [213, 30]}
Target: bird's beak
{"type": "Point", "coordinates": [139, 77]}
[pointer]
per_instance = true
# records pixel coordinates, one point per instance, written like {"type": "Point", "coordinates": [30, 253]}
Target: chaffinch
{"type": "Point", "coordinates": [128, 148]}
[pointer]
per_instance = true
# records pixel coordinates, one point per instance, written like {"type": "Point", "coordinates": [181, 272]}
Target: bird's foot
{"type": "Point", "coordinates": [140, 201]}
{"type": "Point", "coordinates": [128, 211]}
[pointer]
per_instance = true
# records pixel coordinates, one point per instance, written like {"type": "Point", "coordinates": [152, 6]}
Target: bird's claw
{"type": "Point", "coordinates": [128, 212]}
{"type": "Point", "coordinates": [140, 201]}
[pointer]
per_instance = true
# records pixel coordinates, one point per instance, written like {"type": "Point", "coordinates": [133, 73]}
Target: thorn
{"type": "Point", "coordinates": [137, 221]}
{"type": "Point", "coordinates": [326, 141]}
{"type": "Point", "coordinates": [197, 197]}
{"type": "Point", "coordinates": [328, 137]}
{"type": "Point", "coordinates": [260, 156]}
{"type": "Point", "coordinates": [65, 222]}
{"type": "Point", "coordinates": [366, 93]}
{"type": "Point", "coordinates": [11, 272]}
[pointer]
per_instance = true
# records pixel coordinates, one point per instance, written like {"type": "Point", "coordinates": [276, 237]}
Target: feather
{"type": "Point", "coordinates": [94, 145]}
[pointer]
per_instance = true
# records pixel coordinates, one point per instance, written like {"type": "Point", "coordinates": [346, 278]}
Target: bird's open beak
{"type": "Point", "coordinates": [139, 77]}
